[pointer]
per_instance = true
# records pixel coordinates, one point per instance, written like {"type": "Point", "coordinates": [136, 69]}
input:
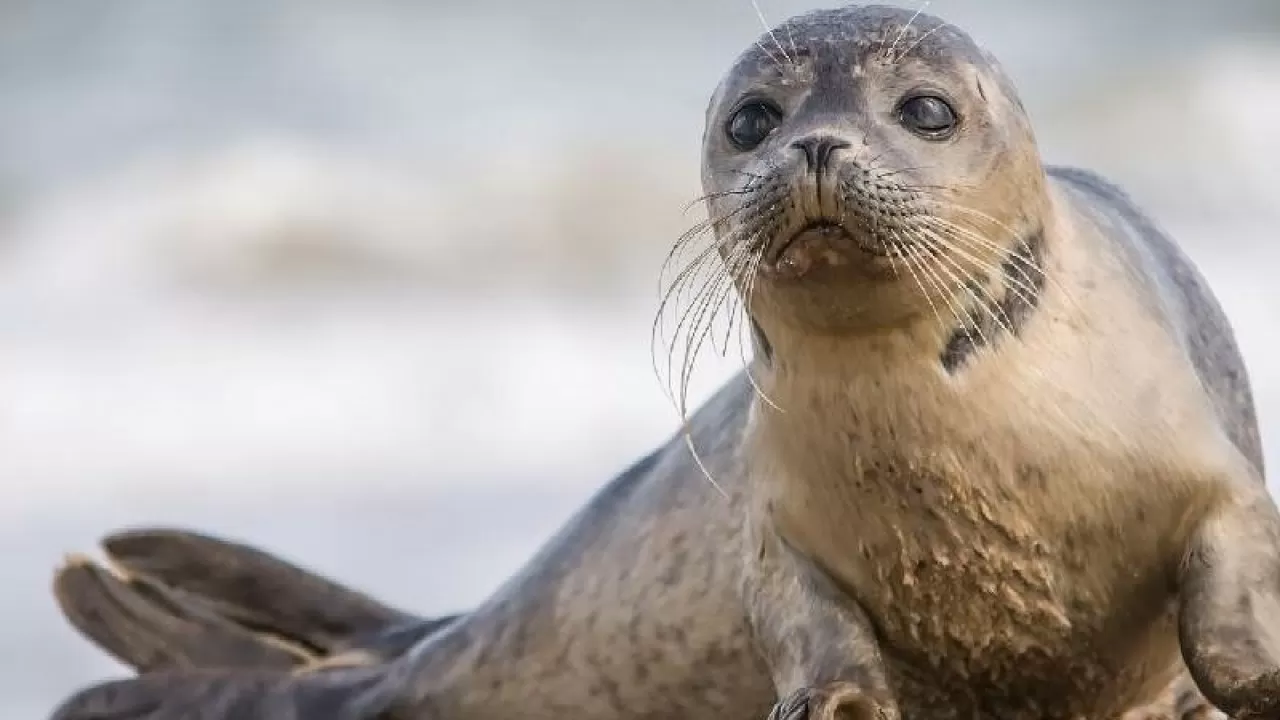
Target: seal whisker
{"type": "Point", "coordinates": [966, 323]}
{"type": "Point", "coordinates": [769, 29]}
{"type": "Point", "coordinates": [739, 264]}
{"type": "Point", "coordinates": [890, 244]}
{"type": "Point", "coordinates": [737, 301]}
{"type": "Point", "coordinates": [897, 248]}
{"type": "Point", "coordinates": [744, 268]}
{"type": "Point", "coordinates": [1053, 403]}
{"type": "Point", "coordinates": [1010, 233]}
{"type": "Point", "coordinates": [758, 194]}
{"type": "Point", "coordinates": [679, 398]}
{"type": "Point", "coordinates": [745, 190]}
{"type": "Point", "coordinates": [697, 231]}
{"type": "Point", "coordinates": [791, 37]}
{"type": "Point", "coordinates": [979, 241]}
{"type": "Point", "coordinates": [673, 296]}
{"type": "Point", "coordinates": [962, 340]}
{"type": "Point", "coordinates": [884, 173]}
{"type": "Point", "coordinates": [733, 312]}
{"type": "Point", "coordinates": [708, 223]}
{"type": "Point", "coordinates": [682, 283]}
{"type": "Point", "coordinates": [1024, 291]}
{"type": "Point", "coordinates": [927, 191]}
{"type": "Point", "coordinates": [1020, 262]}
{"type": "Point", "coordinates": [691, 318]}
{"type": "Point", "coordinates": [707, 294]}
{"type": "Point", "coordinates": [872, 163]}
{"type": "Point", "coordinates": [745, 254]}
{"type": "Point", "coordinates": [955, 186]}
{"type": "Point", "coordinates": [903, 30]}
{"type": "Point", "coordinates": [943, 254]}
{"type": "Point", "coordinates": [753, 184]}
{"type": "Point", "coordinates": [701, 327]}
{"type": "Point", "coordinates": [908, 260]}
{"type": "Point", "coordinates": [961, 277]}
{"type": "Point", "coordinates": [710, 299]}
{"type": "Point", "coordinates": [1037, 374]}
{"type": "Point", "coordinates": [919, 40]}
{"type": "Point", "coordinates": [772, 57]}
{"type": "Point", "coordinates": [982, 241]}
{"type": "Point", "coordinates": [964, 317]}
{"type": "Point", "coordinates": [726, 294]}
{"type": "Point", "coordinates": [966, 283]}
{"type": "Point", "coordinates": [751, 275]}
{"type": "Point", "coordinates": [678, 252]}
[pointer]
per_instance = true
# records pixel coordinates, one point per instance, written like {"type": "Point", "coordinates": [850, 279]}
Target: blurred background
{"type": "Point", "coordinates": [370, 284]}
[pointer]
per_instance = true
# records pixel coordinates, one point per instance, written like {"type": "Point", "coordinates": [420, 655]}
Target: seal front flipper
{"type": "Point", "coordinates": [1229, 621]}
{"type": "Point", "coordinates": [341, 694]}
{"type": "Point", "coordinates": [819, 645]}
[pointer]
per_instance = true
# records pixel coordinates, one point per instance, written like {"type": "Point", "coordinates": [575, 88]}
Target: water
{"type": "Point", "coordinates": [347, 280]}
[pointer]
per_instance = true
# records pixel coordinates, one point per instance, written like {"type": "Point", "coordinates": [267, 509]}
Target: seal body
{"type": "Point", "coordinates": [996, 455]}
{"type": "Point", "coordinates": [1014, 531]}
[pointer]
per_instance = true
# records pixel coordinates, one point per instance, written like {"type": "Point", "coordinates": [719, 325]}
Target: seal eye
{"type": "Point", "coordinates": [750, 124]}
{"type": "Point", "coordinates": [928, 116]}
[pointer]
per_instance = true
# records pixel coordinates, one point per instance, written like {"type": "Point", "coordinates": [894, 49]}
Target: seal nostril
{"type": "Point", "coordinates": [818, 149]}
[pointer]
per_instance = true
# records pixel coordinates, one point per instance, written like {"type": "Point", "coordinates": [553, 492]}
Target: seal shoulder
{"type": "Point", "coordinates": [1198, 318]}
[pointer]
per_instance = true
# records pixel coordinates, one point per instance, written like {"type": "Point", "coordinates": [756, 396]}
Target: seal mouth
{"type": "Point", "coordinates": [831, 234]}
{"type": "Point", "coordinates": [819, 247]}
{"type": "Point", "coordinates": [823, 230]}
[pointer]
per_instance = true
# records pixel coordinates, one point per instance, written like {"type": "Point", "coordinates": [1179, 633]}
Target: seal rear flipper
{"type": "Point", "coordinates": [345, 694]}
{"type": "Point", "coordinates": [150, 627]}
{"type": "Point", "coordinates": [253, 588]}
{"type": "Point", "coordinates": [390, 642]}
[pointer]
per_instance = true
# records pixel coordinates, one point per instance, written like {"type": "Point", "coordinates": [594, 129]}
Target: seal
{"type": "Point", "coordinates": [174, 600]}
{"type": "Point", "coordinates": [995, 455]}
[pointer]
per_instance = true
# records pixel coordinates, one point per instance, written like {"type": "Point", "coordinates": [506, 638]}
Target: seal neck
{"type": "Point", "coordinates": [988, 310]}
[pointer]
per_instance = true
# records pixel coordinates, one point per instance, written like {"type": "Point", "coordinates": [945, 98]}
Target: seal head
{"type": "Point", "coordinates": [863, 165]}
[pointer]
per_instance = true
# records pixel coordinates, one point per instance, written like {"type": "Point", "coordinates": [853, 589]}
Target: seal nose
{"type": "Point", "coordinates": [817, 150]}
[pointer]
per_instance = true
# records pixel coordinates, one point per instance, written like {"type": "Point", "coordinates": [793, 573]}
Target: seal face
{"type": "Point", "coordinates": [864, 164]}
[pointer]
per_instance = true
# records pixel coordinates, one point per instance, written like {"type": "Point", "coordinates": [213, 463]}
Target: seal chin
{"type": "Point", "coordinates": [820, 245]}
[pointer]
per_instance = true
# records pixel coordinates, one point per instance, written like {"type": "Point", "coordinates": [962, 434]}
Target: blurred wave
{"type": "Point", "coordinates": [344, 279]}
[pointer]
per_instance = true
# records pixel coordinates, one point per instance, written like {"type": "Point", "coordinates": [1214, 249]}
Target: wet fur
{"type": "Point", "coordinates": [1002, 536]}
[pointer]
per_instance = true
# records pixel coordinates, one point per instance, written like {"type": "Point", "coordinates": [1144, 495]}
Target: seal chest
{"type": "Point", "coordinates": [937, 546]}
{"type": "Point", "coordinates": [974, 555]}
{"type": "Point", "coordinates": [954, 567]}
